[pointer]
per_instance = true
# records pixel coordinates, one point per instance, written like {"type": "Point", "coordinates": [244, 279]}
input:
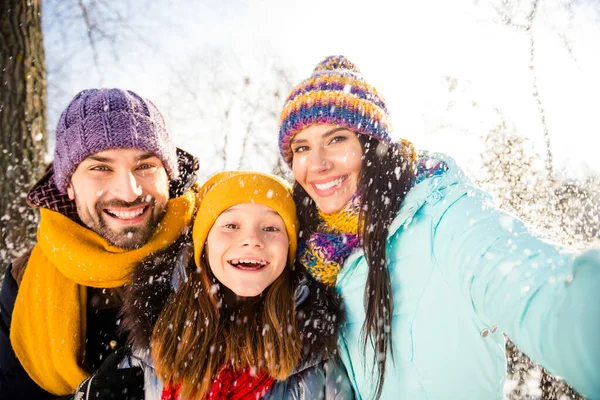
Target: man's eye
{"type": "Point", "coordinates": [145, 166]}
{"type": "Point", "coordinates": [99, 168]}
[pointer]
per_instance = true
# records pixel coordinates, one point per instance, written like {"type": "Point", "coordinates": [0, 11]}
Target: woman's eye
{"type": "Point", "coordinates": [337, 139]}
{"type": "Point", "coordinates": [271, 229]}
{"type": "Point", "coordinates": [230, 226]}
{"type": "Point", "coordinates": [299, 149]}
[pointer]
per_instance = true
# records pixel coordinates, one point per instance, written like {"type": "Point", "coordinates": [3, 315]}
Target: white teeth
{"type": "Point", "coordinates": [329, 185]}
{"type": "Point", "coordinates": [127, 214]}
{"type": "Point", "coordinates": [247, 261]}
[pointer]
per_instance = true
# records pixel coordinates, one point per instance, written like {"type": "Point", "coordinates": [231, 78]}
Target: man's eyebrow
{"type": "Point", "coordinates": [100, 159]}
{"type": "Point", "coordinates": [105, 159]}
{"type": "Point", "coordinates": [145, 156]}
{"type": "Point", "coordinates": [325, 135]}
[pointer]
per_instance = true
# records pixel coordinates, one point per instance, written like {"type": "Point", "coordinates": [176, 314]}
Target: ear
{"type": "Point", "coordinates": [71, 191]}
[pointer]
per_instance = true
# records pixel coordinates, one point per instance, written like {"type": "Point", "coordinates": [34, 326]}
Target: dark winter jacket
{"type": "Point", "coordinates": [320, 374]}
{"type": "Point", "coordinates": [102, 338]}
{"type": "Point", "coordinates": [103, 320]}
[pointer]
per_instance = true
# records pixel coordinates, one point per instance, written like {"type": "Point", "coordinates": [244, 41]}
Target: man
{"type": "Point", "coordinates": [117, 191]}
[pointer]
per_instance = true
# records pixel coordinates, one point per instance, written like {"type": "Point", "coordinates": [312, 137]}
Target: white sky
{"type": "Point", "coordinates": [406, 50]}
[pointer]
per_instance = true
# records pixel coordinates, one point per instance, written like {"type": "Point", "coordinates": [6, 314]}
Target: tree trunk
{"type": "Point", "coordinates": [23, 137]}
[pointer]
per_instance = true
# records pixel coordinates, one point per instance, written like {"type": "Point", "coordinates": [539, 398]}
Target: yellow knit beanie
{"type": "Point", "coordinates": [227, 189]}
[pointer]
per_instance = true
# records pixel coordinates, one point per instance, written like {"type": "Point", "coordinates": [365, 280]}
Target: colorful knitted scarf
{"type": "Point", "coordinates": [336, 237]}
{"type": "Point", "coordinates": [230, 385]}
{"type": "Point", "coordinates": [48, 328]}
{"type": "Point", "coordinates": [325, 251]}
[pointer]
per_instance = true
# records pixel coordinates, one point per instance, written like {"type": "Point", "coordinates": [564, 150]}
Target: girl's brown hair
{"type": "Point", "coordinates": [197, 333]}
{"type": "Point", "coordinates": [385, 177]}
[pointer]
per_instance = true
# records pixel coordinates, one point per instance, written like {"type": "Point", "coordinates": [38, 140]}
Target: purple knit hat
{"type": "Point", "coordinates": [104, 119]}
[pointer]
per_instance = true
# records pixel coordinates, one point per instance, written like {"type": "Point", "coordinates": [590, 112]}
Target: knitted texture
{"type": "Point", "coordinates": [230, 385]}
{"type": "Point", "coordinates": [239, 385]}
{"type": "Point", "coordinates": [335, 94]}
{"type": "Point", "coordinates": [104, 119]}
{"type": "Point", "coordinates": [326, 250]}
{"type": "Point", "coordinates": [45, 194]}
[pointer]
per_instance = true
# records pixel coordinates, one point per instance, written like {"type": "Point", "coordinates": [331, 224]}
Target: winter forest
{"type": "Point", "coordinates": [509, 88]}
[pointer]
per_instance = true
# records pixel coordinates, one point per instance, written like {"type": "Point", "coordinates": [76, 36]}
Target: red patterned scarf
{"type": "Point", "coordinates": [230, 385]}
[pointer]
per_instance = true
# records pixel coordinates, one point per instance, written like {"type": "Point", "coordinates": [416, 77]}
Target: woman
{"type": "Point", "coordinates": [430, 272]}
{"type": "Point", "coordinates": [243, 323]}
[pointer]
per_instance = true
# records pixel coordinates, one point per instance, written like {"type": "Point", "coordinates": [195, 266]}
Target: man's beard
{"type": "Point", "coordinates": [128, 238]}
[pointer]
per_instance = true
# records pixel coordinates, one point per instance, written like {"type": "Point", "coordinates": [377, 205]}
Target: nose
{"type": "Point", "coordinates": [319, 160]}
{"type": "Point", "coordinates": [125, 186]}
{"type": "Point", "coordinates": [252, 238]}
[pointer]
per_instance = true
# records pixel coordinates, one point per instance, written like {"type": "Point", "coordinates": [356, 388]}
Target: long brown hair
{"type": "Point", "coordinates": [385, 177]}
{"type": "Point", "coordinates": [196, 333]}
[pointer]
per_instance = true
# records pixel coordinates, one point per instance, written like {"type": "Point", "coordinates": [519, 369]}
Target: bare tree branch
{"type": "Point", "coordinates": [527, 28]}
{"type": "Point", "coordinates": [90, 29]}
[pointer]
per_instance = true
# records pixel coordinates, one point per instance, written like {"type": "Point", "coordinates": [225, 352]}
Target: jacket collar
{"type": "Point", "coordinates": [319, 315]}
{"type": "Point", "coordinates": [427, 189]}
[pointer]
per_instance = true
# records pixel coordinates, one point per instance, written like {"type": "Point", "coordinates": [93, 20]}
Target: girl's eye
{"type": "Point", "coordinates": [299, 149]}
{"type": "Point", "coordinates": [230, 226]}
{"type": "Point", "coordinates": [271, 229]}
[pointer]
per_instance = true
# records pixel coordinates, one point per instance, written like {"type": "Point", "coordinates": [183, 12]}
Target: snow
{"type": "Point", "coordinates": [501, 89]}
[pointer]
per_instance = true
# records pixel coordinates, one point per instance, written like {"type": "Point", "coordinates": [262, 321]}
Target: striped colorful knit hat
{"type": "Point", "coordinates": [335, 94]}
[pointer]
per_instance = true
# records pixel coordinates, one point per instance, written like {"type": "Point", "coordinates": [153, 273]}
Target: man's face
{"type": "Point", "coordinates": [121, 194]}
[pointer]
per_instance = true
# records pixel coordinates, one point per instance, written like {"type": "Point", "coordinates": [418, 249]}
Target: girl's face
{"type": "Point", "coordinates": [326, 161]}
{"type": "Point", "coordinates": [247, 248]}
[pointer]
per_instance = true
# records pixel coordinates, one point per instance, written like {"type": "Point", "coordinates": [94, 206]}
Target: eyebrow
{"type": "Point", "coordinates": [141, 157]}
{"type": "Point", "coordinates": [145, 156]}
{"type": "Point", "coordinates": [233, 208]}
{"type": "Point", "coordinates": [325, 135]}
{"type": "Point", "coordinates": [100, 159]}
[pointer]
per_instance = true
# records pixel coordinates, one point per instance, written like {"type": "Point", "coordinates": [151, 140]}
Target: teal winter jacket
{"type": "Point", "coordinates": [463, 273]}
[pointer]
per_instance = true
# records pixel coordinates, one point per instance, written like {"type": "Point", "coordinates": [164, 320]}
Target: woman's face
{"type": "Point", "coordinates": [247, 248]}
{"type": "Point", "coordinates": [326, 161]}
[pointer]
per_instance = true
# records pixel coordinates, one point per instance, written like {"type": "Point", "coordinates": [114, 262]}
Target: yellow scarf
{"type": "Point", "coordinates": [48, 327]}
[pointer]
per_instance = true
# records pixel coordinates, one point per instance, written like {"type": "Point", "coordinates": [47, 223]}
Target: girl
{"type": "Point", "coordinates": [430, 273]}
{"type": "Point", "coordinates": [243, 322]}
